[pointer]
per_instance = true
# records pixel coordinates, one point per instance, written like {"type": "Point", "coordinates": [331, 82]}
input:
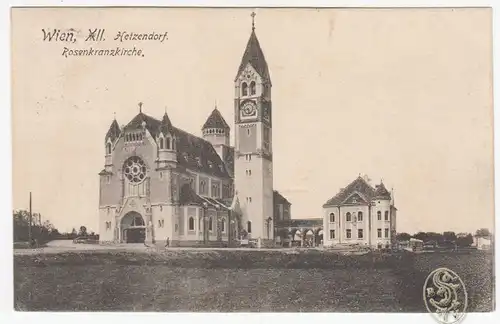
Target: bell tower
{"type": "Point", "coordinates": [253, 141]}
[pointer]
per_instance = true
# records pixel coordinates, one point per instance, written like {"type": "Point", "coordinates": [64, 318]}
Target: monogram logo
{"type": "Point", "coordinates": [445, 296]}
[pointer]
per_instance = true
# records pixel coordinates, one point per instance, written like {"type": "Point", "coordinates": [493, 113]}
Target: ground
{"type": "Point", "coordinates": [228, 280]}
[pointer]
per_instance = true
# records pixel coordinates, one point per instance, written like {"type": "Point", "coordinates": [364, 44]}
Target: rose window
{"type": "Point", "coordinates": [135, 169]}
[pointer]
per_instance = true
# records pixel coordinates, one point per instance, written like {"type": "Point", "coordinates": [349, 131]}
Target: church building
{"type": "Point", "coordinates": [360, 214]}
{"type": "Point", "coordinates": [162, 183]}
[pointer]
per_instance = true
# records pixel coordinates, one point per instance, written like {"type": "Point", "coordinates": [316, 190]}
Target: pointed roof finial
{"type": "Point", "coordinates": [140, 107]}
{"type": "Point", "coordinates": [114, 115]}
{"type": "Point", "coordinates": [253, 20]}
{"type": "Point", "coordinates": [215, 103]}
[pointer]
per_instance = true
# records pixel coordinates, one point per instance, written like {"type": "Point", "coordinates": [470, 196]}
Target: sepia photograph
{"type": "Point", "coordinates": [253, 160]}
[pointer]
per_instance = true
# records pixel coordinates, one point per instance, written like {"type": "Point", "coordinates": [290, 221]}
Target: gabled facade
{"type": "Point", "coordinates": [360, 214]}
{"type": "Point", "coordinates": [161, 182]}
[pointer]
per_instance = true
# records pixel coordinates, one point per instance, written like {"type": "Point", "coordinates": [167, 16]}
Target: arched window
{"type": "Point", "coordinates": [191, 224]}
{"type": "Point", "coordinates": [161, 143]}
{"type": "Point", "coordinates": [252, 88]}
{"type": "Point", "coordinates": [244, 89]}
{"type": "Point", "coordinates": [348, 217]}
{"type": "Point", "coordinates": [173, 143]}
{"type": "Point", "coordinates": [332, 217]}
{"type": "Point", "coordinates": [210, 227]}
{"type": "Point", "coordinates": [108, 148]}
{"type": "Point", "coordinates": [379, 215]}
{"type": "Point", "coordinates": [249, 227]}
{"type": "Point", "coordinates": [386, 215]}
{"type": "Point", "coordinates": [203, 187]}
{"type": "Point", "coordinates": [223, 225]}
{"type": "Point", "coordinates": [360, 216]}
{"type": "Point", "coordinates": [168, 143]}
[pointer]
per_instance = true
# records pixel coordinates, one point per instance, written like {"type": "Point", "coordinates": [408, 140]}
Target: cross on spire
{"type": "Point", "coordinates": [253, 19]}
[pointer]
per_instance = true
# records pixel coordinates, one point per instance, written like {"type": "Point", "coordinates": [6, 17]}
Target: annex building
{"type": "Point", "coordinates": [360, 214]}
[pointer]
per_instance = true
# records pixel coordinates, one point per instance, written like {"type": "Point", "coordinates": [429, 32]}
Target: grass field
{"type": "Point", "coordinates": [228, 281]}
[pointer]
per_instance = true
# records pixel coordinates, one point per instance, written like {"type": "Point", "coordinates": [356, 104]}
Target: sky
{"type": "Point", "coordinates": [403, 95]}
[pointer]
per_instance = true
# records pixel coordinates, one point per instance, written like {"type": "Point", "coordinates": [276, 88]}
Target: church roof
{"type": "Point", "coordinates": [253, 54]}
{"type": "Point", "coordinates": [215, 120]}
{"type": "Point", "coordinates": [113, 132]}
{"type": "Point", "coordinates": [279, 199]}
{"type": "Point", "coordinates": [229, 159]}
{"type": "Point", "coordinates": [151, 124]}
{"type": "Point", "coordinates": [187, 196]}
{"type": "Point", "coordinates": [193, 152]}
{"type": "Point", "coordinates": [359, 187]}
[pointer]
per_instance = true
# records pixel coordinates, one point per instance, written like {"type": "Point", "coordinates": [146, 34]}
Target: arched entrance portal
{"type": "Point", "coordinates": [133, 228]}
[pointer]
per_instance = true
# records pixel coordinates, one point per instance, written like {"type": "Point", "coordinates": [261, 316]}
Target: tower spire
{"type": "Point", "coordinates": [253, 20]}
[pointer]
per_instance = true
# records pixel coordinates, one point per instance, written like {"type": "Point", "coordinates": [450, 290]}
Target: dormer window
{"type": "Point", "coordinates": [108, 148]}
{"type": "Point", "coordinates": [244, 89]}
{"type": "Point", "coordinates": [252, 88]}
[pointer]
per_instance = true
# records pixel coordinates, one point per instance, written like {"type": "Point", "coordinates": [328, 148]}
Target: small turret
{"type": "Point", "coordinates": [109, 141]}
{"type": "Point", "coordinates": [381, 192]}
{"type": "Point", "coordinates": [217, 132]}
{"type": "Point", "coordinates": [167, 143]}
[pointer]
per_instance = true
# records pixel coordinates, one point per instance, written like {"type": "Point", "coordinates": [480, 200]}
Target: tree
{"type": "Point", "coordinates": [403, 237]}
{"type": "Point", "coordinates": [421, 236]}
{"type": "Point", "coordinates": [464, 240]}
{"type": "Point", "coordinates": [483, 232]}
{"type": "Point", "coordinates": [40, 232]}
{"type": "Point", "coordinates": [83, 231]}
{"type": "Point", "coordinates": [449, 237]}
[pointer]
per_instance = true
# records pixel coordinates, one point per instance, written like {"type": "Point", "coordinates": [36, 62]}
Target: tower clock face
{"type": "Point", "coordinates": [248, 110]}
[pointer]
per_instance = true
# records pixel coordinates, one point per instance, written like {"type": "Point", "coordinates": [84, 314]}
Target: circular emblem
{"type": "Point", "coordinates": [445, 296]}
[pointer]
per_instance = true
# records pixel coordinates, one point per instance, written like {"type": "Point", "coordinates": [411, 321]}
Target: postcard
{"type": "Point", "coordinates": [253, 160]}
